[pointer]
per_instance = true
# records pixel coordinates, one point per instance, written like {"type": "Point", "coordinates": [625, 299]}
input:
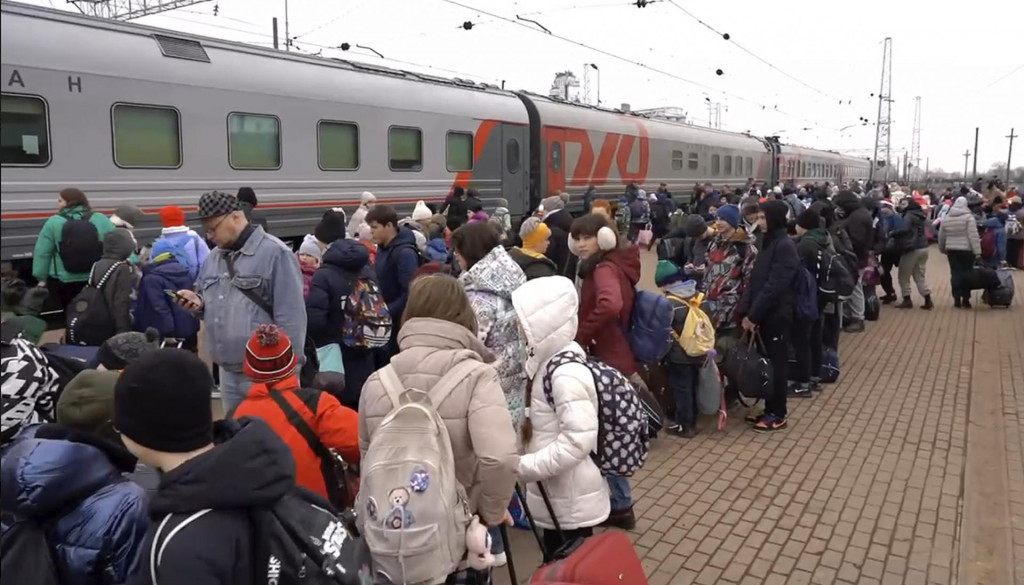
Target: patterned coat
{"type": "Point", "coordinates": [489, 284]}
{"type": "Point", "coordinates": [729, 264]}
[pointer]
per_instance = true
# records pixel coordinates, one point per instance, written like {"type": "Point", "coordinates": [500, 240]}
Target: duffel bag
{"type": "Point", "coordinates": [749, 370]}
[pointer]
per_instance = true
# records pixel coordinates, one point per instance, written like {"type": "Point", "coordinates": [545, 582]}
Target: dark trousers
{"type": "Point", "coordinates": [961, 269]}
{"type": "Point", "coordinates": [831, 325]}
{"type": "Point", "coordinates": [775, 338]}
{"type": "Point", "coordinates": [806, 338]}
{"type": "Point", "coordinates": [64, 292]}
{"type": "Point", "coordinates": [682, 381]}
{"type": "Point", "coordinates": [552, 542]}
{"type": "Point", "coordinates": [887, 262]}
{"type": "Point", "coordinates": [1013, 253]}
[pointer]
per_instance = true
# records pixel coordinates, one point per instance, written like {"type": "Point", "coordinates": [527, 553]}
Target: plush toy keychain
{"type": "Point", "coordinates": [478, 543]}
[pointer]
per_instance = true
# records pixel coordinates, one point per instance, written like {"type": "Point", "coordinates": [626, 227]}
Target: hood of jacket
{"type": "Point", "coordinates": [167, 266]}
{"type": "Point", "coordinates": [547, 309]}
{"type": "Point", "coordinates": [405, 237]}
{"type": "Point", "coordinates": [819, 236]}
{"type": "Point", "coordinates": [440, 334]}
{"type": "Point", "coordinates": [118, 244]}
{"type": "Point", "coordinates": [847, 201]}
{"type": "Point", "coordinates": [250, 467]}
{"type": "Point", "coordinates": [997, 221]}
{"type": "Point", "coordinates": [348, 255]}
{"type": "Point", "coordinates": [74, 212]}
{"type": "Point", "coordinates": [627, 260]}
{"type": "Point", "coordinates": [959, 208]}
{"type": "Point", "coordinates": [50, 466]}
{"type": "Point", "coordinates": [496, 273]}
{"type": "Point", "coordinates": [437, 251]}
{"type": "Point", "coordinates": [914, 209]}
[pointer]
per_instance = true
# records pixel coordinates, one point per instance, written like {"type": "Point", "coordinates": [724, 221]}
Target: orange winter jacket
{"type": "Point", "coordinates": [337, 427]}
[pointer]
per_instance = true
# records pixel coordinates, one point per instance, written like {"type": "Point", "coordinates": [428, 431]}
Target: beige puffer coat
{"type": "Point", "coordinates": [477, 417]}
{"type": "Point", "coordinates": [959, 231]}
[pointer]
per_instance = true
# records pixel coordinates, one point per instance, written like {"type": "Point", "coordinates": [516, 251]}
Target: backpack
{"type": "Point", "coordinates": [988, 243]}
{"type": "Point", "coordinates": [80, 245]}
{"type": "Point", "coordinates": [650, 330]}
{"type": "Point", "coordinates": [297, 541]}
{"type": "Point", "coordinates": [659, 213]}
{"type": "Point", "coordinates": [1013, 226]}
{"type": "Point", "coordinates": [881, 234]}
{"type": "Point", "coordinates": [186, 252]}
{"type": "Point", "coordinates": [420, 258]}
{"type": "Point", "coordinates": [29, 385]}
{"type": "Point", "coordinates": [640, 211]}
{"type": "Point", "coordinates": [367, 320]}
{"type": "Point", "coordinates": [844, 248]}
{"type": "Point", "coordinates": [829, 366]}
{"type": "Point", "coordinates": [411, 508]}
{"type": "Point", "coordinates": [25, 556]}
{"type": "Point", "coordinates": [834, 277]}
{"type": "Point", "coordinates": [88, 318]}
{"type": "Point", "coordinates": [622, 434]}
{"type": "Point", "coordinates": [806, 296]}
{"type": "Point", "coordinates": [698, 336]}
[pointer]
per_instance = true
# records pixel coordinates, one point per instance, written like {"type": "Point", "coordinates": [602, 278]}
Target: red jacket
{"type": "Point", "coordinates": [337, 427]}
{"type": "Point", "coordinates": [606, 304]}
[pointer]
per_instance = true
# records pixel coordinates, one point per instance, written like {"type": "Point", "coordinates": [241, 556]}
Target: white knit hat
{"type": "Point", "coordinates": [421, 212]}
{"type": "Point", "coordinates": [364, 232]}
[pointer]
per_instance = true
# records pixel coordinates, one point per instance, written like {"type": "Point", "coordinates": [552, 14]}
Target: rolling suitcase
{"type": "Point", "coordinates": [603, 559]}
{"type": "Point", "coordinates": [1001, 295]}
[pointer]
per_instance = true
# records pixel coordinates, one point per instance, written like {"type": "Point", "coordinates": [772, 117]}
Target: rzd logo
{"type": "Point", "coordinates": [273, 571]}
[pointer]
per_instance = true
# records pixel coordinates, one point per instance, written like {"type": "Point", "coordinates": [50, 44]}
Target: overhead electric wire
{"type": "Point", "coordinates": [1019, 67]}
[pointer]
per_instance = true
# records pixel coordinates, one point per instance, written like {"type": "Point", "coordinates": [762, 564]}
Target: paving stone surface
{"type": "Point", "coordinates": [868, 483]}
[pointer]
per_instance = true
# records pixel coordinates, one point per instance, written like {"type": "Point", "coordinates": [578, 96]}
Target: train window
{"type": "Point", "coordinates": [693, 162]}
{"type": "Point", "coordinates": [750, 167]}
{"type": "Point", "coordinates": [146, 136]}
{"type": "Point", "coordinates": [728, 165]}
{"type": "Point", "coordinates": [738, 165]}
{"type": "Point", "coordinates": [254, 141]}
{"type": "Point", "coordinates": [24, 131]}
{"type": "Point", "coordinates": [677, 160]}
{"type": "Point", "coordinates": [405, 148]}
{"type": "Point", "coordinates": [459, 153]}
{"type": "Point", "coordinates": [556, 156]}
{"type": "Point", "coordinates": [716, 164]}
{"type": "Point", "coordinates": [337, 145]}
{"type": "Point", "coordinates": [512, 156]}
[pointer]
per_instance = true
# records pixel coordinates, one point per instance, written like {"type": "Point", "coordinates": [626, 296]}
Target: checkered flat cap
{"type": "Point", "coordinates": [216, 204]}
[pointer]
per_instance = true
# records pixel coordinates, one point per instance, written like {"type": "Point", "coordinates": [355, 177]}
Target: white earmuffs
{"type": "Point", "coordinates": [607, 239]}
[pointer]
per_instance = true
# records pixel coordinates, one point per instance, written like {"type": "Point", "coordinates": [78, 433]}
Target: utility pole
{"type": "Point", "coordinates": [927, 166]}
{"type": "Point", "coordinates": [974, 169]}
{"type": "Point", "coordinates": [915, 144]}
{"type": "Point", "coordinates": [275, 33]}
{"type": "Point", "coordinates": [287, 37]}
{"type": "Point", "coordinates": [1009, 156]}
{"type": "Point", "coordinates": [967, 156]}
{"type": "Point", "coordinates": [884, 120]}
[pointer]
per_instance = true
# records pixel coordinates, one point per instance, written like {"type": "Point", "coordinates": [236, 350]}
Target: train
{"type": "Point", "coordinates": [137, 115]}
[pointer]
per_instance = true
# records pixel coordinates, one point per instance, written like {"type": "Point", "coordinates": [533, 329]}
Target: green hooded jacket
{"type": "Point", "coordinates": [46, 260]}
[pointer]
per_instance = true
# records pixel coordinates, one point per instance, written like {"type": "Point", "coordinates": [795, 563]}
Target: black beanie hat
{"type": "Point", "coordinates": [247, 195]}
{"type": "Point", "coordinates": [331, 227]}
{"type": "Point", "coordinates": [809, 219]}
{"type": "Point", "coordinates": [162, 401]}
{"type": "Point", "coordinates": [775, 212]}
{"type": "Point", "coordinates": [124, 348]}
{"type": "Point", "coordinates": [696, 226]}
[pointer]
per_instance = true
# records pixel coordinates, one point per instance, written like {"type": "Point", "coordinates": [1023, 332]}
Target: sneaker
{"type": "Point", "coordinates": [622, 519]}
{"type": "Point", "coordinates": [684, 431]}
{"type": "Point", "coordinates": [800, 391]}
{"type": "Point", "coordinates": [754, 418]}
{"type": "Point", "coordinates": [906, 304]}
{"type": "Point", "coordinates": [816, 384]}
{"type": "Point", "coordinates": [500, 559]}
{"type": "Point", "coordinates": [770, 423]}
{"type": "Point", "coordinates": [854, 326]}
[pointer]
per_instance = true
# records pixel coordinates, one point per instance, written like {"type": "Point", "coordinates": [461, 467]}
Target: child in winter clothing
{"type": "Point", "coordinates": [187, 246]}
{"type": "Point", "coordinates": [119, 287]}
{"type": "Point", "coordinates": [536, 235]}
{"type": "Point", "coordinates": [154, 307]}
{"type": "Point", "coordinates": [366, 202]}
{"type": "Point", "coordinates": [365, 237]}
{"type": "Point", "coordinates": [272, 365]}
{"type": "Point", "coordinates": [682, 369]}
{"type": "Point", "coordinates": [559, 434]}
{"type": "Point", "coordinates": [501, 218]}
{"type": "Point", "coordinates": [310, 257]}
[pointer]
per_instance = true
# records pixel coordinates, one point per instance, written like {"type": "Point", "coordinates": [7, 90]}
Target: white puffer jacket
{"type": "Point", "coordinates": [564, 435]}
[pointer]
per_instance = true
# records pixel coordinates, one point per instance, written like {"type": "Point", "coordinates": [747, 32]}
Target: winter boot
{"type": "Point", "coordinates": [928, 304]}
{"type": "Point", "coordinates": [906, 304]}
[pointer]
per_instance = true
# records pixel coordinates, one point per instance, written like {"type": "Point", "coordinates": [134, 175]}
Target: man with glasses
{"type": "Point", "coordinates": [249, 279]}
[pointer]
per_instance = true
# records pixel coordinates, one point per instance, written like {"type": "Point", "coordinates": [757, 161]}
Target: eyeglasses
{"type": "Point", "coordinates": [212, 231]}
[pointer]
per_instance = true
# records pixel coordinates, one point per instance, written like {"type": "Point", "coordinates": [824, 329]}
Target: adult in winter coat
{"type": "Point", "coordinates": [856, 221]}
{"type": "Point", "coordinates": [559, 435]}
{"type": "Point", "coordinates": [47, 262]}
{"type": "Point", "coordinates": [456, 209]}
{"type": "Point", "coordinates": [807, 337]}
{"type": "Point", "coordinates": [186, 245]}
{"type": "Point", "coordinates": [367, 201]}
{"type": "Point", "coordinates": [730, 260]}
{"type": "Point", "coordinates": [890, 256]}
{"type": "Point", "coordinates": [997, 225]}
{"type": "Point", "coordinates": [439, 333]}
{"type": "Point", "coordinates": [119, 287]}
{"type": "Point", "coordinates": [155, 308]}
{"type": "Point", "coordinates": [344, 262]}
{"type": "Point", "coordinates": [215, 475]}
{"type": "Point", "coordinates": [247, 201]}
{"type": "Point", "coordinates": [536, 237]}
{"type": "Point", "coordinates": [398, 257]}
{"type": "Point", "coordinates": [489, 276]}
{"type": "Point", "coordinates": [912, 240]}
{"type": "Point", "coordinates": [960, 242]}
{"type": "Point", "coordinates": [767, 308]}
{"type": "Point", "coordinates": [271, 364]}
{"type": "Point", "coordinates": [73, 483]}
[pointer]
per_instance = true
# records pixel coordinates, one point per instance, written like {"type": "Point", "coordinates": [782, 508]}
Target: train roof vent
{"type": "Point", "coordinates": [181, 48]}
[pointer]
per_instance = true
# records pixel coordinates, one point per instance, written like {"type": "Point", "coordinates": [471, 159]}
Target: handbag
{"type": "Point", "coordinates": [871, 275]}
{"type": "Point", "coordinates": [645, 236]}
{"type": "Point", "coordinates": [340, 477]}
{"type": "Point", "coordinates": [330, 358]}
{"type": "Point", "coordinates": [747, 367]}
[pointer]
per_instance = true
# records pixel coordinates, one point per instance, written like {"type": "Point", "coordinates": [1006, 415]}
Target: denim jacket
{"type": "Point", "coordinates": [266, 266]}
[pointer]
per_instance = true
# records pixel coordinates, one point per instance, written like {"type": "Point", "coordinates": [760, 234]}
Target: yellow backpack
{"type": "Point", "coordinates": [698, 336]}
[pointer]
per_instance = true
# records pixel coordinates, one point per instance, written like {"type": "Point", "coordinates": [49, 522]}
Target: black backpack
{"type": "Point", "coordinates": [25, 556]}
{"type": "Point", "coordinates": [844, 248]}
{"type": "Point", "coordinates": [834, 277]}
{"type": "Point", "coordinates": [297, 541]}
{"type": "Point", "coordinates": [80, 245]}
{"type": "Point", "coordinates": [88, 318]}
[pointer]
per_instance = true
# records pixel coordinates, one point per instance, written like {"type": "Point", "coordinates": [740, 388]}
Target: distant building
{"type": "Point", "coordinates": [566, 87]}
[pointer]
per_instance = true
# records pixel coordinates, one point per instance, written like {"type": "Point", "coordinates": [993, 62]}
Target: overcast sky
{"type": "Point", "coordinates": [965, 60]}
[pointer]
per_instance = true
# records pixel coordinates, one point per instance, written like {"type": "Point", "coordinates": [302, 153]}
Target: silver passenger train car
{"type": "Point", "coordinates": [148, 117]}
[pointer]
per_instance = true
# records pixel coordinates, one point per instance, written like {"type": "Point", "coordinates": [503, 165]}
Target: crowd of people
{"type": "Point", "coordinates": [514, 341]}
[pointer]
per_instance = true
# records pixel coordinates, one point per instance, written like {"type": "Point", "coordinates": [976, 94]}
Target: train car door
{"type": "Point", "coordinates": [554, 159]}
{"type": "Point", "coordinates": [515, 180]}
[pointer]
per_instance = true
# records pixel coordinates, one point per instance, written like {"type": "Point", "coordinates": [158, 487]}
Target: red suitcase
{"type": "Point", "coordinates": [603, 559]}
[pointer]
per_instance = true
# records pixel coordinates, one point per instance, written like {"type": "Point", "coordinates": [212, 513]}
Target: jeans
{"type": "Point", "coordinates": [774, 337]}
{"type": "Point", "coordinates": [621, 494]}
{"type": "Point", "coordinates": [497, 544]}
{"type": "Point", "coordinates": [857, 298]}
{"type": "Point", "coordinates": [806, 337]}
{"type": "Point", "coordinates": [913, 263]}
{"type": "Point", "coordinates": [233, 389]}
{"type": "Point", "coordinates": [682, 381]}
